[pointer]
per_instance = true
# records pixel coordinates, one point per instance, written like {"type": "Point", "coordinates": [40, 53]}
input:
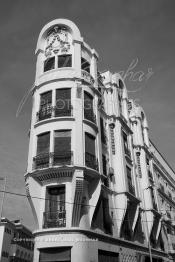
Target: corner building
{"type": "Point", "coordinates": [93, 178]}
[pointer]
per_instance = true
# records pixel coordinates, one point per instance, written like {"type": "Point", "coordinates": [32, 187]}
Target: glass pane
{"type": "Point", "coordinates": [85, 65]}
{"type": "Point", "coordinates": [49, 64]}
{"type": "Point", "coordinates": [90, 144]}
{"type": "Point", "coordinates": [64, 61]}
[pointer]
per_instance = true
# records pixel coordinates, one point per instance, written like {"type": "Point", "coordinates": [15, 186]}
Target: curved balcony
{"type": "Point", "coordinates": [54, 219]}
{"type": "Point", "coordinates": [54, 112]}
{"type": "Point", "coordinates": [46, 160]}
{"type": "Point", "coordinates": [87, 77]}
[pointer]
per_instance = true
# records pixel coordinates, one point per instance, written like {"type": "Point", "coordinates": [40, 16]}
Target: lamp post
{"type": "Point", "coordinates": [3, 196]}
{"type": "Point", "coordinates": [149, 244]}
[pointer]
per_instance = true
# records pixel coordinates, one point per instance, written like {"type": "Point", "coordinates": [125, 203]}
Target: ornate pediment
{"type": "Point", "coordinates": [57, 41]}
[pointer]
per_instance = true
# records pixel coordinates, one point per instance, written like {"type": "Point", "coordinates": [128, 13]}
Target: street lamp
{"type": "Point", "coordinates": [3, 196]}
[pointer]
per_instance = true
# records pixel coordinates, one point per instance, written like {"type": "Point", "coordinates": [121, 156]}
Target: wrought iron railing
{"type": "Point", "coordinates": [61, 158]}
{"type": "Point", "coordinates": [91, 161]}
{"type": "Point", "coordinates": [54, 219]}
{"type": "Point", "coordinates": [131, 189]}
{"type": "Point", "coordinates": [89, 115]}
{"type": "Point", "coordinates": [87, 77]}
{"type": "Point", "coordinates": [41, 161]}
{"type": "Point", "coordinates": [67, 110]}
{"type": "Point", "coordinates": [44, 113]}
{"type": "Point", "coordinates": [53, 159]}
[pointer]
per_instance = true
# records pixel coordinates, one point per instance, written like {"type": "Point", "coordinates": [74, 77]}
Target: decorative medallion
{"type": "Point", "coordinates": [57, 41]}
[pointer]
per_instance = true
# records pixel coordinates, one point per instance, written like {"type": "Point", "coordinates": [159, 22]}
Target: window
{"type": "Point", "coordinates": [130, 185]}
{"type": "Point", "coordinates": [55, 215]}
{"type": "Point", "coordinates": [63, 102]}
{"type": "Point", "coordinates": [103, 135]}
{"type": "Point", "coordinates": [64, 61]}
{"type": "Point", "coordinates": [62, 147]}
{"type": "Point", "coordinates": [104, 165]}
{"type": "Point", "coordinates": [88, 107]}
{"type": "Point", "coordinates": [85, 65]}
{"type": "Point", "coordinates": [49, 64]}
{"type": "Point", "coordinates": [45, 106]}
{"type": "Point", "coordinates": [43, 147]}
{"type": "Point", "coordinates": [90, 158]}
{"type": "Point", "coordinates": [125, 143]}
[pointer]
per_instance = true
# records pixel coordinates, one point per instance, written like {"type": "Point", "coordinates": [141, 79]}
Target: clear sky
{"type": "Point", "coordinates": [120, 31]}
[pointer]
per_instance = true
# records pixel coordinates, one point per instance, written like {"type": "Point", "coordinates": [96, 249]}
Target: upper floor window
{"type": "Point", "coordinates": [125, 143]}
{"type": "Point", "coordinates": [45, 106]}
{"type": "Point", "coordinates": [103, 131]}
{"type": "Point", "coordinates": [49, 64]}
{"type": "Point", "coordinates": [43, 148]}
{"type": "Point", "coordinates": [57, 61]}
{"type": "Point", "coordinates": [88, 107]}
{"type": "Point", "coordinates": [130, 184]}
{"type": "Point", "coordinates": [64, 61]}
{"type": "Point", "coordinates": [62, 147]}
{"type": "Point", "coordinates": [85, 65]}
{"type": "Point", "coordinates": [63, 102]}
{"type": "Point", "coordinates": [90, 158]}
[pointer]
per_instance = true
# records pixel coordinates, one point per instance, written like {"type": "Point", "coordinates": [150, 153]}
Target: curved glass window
{"type": "Point", "coordinates": [49, 64]}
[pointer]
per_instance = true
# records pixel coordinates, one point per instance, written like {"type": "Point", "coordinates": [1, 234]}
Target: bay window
{"type": "Point", "coordinates": [43, 147]}
{"type": "Point", "coordinates": [90, 158]}
{"type": "Point", "coordinates": [45, 110]}
{"type": "Point", "coordinates": [88, 107]}
{"type": "Point", "coordinates": [63, 102]}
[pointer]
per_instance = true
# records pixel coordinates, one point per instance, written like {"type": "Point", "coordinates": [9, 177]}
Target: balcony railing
{"type": "Point", "coordinates": [131, 189]}
{"type": "Point", "coordinates": [127, 152]}
{"type": "Point", "coordinates": [62, 158]}
{"type": "Point", "coordinates": [41, 161]}
{"type": "Point", "coordinates": [54, 219]}
{"type": "Point", "coordinates": [87, 77]}
{"type": "Point", "coordinates": [89, 115]}
{"type": "Point", "coordinates": [44, 113]}
{"type": "Point", "coordinates": [53, 159]}
{"type": "Point", "coordinates": [91, 161]}
{"type": "Point", "coordinates": [67, 110]}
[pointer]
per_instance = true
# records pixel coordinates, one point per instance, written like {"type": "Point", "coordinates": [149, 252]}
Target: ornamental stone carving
{"type": "Point", "coordinates": [57, 41]}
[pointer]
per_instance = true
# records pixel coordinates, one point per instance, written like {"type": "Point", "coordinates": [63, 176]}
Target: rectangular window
{"type": "Point", "coordinates": [62, 147]}
{"type": "Point", "coordinates": [49, 64]}
{"type": "Point", "coordinates": [103, 133]}
{"type": "Point", "coordinates": [125, 144]}
{"type": "Point", "coordinates": [55, 215]}
{"type": "Point", "coordinates": [85, 65]}
{"type": "Point", "coordinates": [45, 106]}
{"type": "Point", "coordinates": [104, 165]}
{"type": "Point", "coordinates": [63, 102]}
{"type": "Point", "coordinates": [88, 107]}
{"type": "Point", "coordinates": [64, 61]}
{"type": "Point", "coordinates": [90, 158]}
{"type": "Point", "coordinates": [129, 177]}
{"type": "Point", "coordinates": [43, 147]}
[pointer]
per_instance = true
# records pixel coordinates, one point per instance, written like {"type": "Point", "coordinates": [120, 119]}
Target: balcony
{"type": "Point", "coordinates": [91, 161]}
{"type": "Point", "coordinates": [67, 111]}
{"type": "Point", "coordinates": [87, 77]}
{"type": "Point", "coordinates": [131, 189]}
{"type": "Point", "coordinates": [44, 113]}
{"type": "Point", "coordinates": [52, 159]}
{"type": "Point", "coordinates": [89, 115]}
{"type": "Point", "coordinates": [62, 158]}
{"type": "Point", "coordinates": [54, 219]}
{"type": "Point", "coordinates": [41, 161]}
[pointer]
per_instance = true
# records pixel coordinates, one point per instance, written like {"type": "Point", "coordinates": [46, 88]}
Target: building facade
{"type": "Point", "coordinates": [16, 242]}
{"type": "Point", "coordinates": [95, 181]}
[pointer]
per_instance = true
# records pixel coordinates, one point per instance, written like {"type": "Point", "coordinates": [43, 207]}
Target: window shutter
{"type": "Point", "coordinates": [90, 144]}
{"type": "Point", "coordinates": [43, 143]}
{"type": "Point", "coordinates": [62, 141]}
{"type": "Point", "coordinates": [63, 102]}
